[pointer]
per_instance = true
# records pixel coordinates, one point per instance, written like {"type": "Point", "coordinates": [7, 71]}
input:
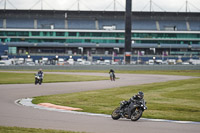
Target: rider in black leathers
{"type": "Point", "coordinates": [138, 97]}
{"type": "Point", "coordinates": [113, 73]}
{"type": "Point", "coordinates": [131, 109]}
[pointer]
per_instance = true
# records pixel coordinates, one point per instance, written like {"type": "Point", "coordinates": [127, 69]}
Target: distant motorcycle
{"type": "Point", "coordinates": [112, 76]}
{"type": "Point", "coordinates": [130, 110]}
{"type": "Point", "coordinates": [38, 79]}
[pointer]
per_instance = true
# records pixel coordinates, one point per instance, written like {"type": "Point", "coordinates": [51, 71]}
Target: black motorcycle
{"type": "Point", "coordinates": [131, 110]}
{"type": "Point", "coordinates": [38, 79]}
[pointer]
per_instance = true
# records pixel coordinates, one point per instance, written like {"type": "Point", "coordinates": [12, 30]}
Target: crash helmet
{"type": "Point", "coordinates": [140, 95]}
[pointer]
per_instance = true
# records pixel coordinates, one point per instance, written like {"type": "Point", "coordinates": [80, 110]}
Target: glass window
{"type": "Point", "coordinates": [12, 50]}
{"type": "Point", "coordinates": [74, 41]}
{"type": "Point", "coordinates": [60, 33]}
{"type": "Point", "coordinates": [21, 33]}
{"type": "Point", "coordinates": [96, 34]}
{"type": "Point", "coordinates": [2, 33]}
{"type": "Point", "coordinates": [86, 34]}
{"type": "Point", "coordinates": [72, 33]}
{"type": "Point", "coordinates": [35, 33]}
{"type": "Point", "coordinates": [88, 40]}
{"type": "Point", "coordinates": [11, 33]}
{"type": "Point", "coordinates": [51, 33]}
{"type": "Point", "coordinates": [45, 33]}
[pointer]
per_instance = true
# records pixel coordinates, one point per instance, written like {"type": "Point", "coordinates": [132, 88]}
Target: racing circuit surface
{"type": "Point", "coordinates": [12, 114]}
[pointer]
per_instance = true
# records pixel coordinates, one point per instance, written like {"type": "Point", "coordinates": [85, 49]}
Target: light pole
{"type": "Point", "coordinates": [128, 32]}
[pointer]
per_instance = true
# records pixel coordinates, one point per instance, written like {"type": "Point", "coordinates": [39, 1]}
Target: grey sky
{"type": "Point", "coordinates": [108, 5]}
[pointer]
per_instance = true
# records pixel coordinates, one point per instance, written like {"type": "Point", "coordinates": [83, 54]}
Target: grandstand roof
{"type": "Point", "coordinates": [104, 14]}
{"type": "Point", "coordinates": [154, 13]}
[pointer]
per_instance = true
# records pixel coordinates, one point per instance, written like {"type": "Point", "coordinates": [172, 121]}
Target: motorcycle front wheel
{"type": "Point", "coordinates": [136, 114]}
{"type": "Point", "coordinates": [36, 81]}
{"type": "Point", "coordinates": [116, 114]}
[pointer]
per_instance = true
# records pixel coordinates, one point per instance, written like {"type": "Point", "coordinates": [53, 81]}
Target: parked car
{"type": "Point", "coordinates": [2, 63]}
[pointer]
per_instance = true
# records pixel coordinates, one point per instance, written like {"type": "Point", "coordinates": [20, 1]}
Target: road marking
{"type": "Point", "coordinates": [49, 105]}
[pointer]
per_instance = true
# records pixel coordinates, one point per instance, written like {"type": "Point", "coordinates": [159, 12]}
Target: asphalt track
{"type": "Point", "coordinates": [12, 114]}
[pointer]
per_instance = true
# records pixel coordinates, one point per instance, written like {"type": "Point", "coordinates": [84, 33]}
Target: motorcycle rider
{"type": "Point", "coordinates": [131, 109]}
{"type": "Point", "coordinates": [137, 97]}
{"type": "Point", "coordinates": [112, 74]}
{"type": "Point", "coordinates": [41, 74]}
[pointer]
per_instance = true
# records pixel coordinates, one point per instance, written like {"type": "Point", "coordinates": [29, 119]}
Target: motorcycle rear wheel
{"type": "Point", "coordinates": [136, 114]}
{"type": "Point", "coordinates": [116, 114]}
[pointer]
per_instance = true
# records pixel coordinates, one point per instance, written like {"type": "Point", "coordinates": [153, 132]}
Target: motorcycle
{"type": "Point", "coordinates": [38, 79]}
{"type": "Point", "coordinates": [130, 110]}
{"type": "Point", "coordinates": [112, 76]}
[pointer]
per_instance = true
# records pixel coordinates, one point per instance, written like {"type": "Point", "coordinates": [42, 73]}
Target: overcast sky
{"type": "Point", "coordinates": [108, 5]}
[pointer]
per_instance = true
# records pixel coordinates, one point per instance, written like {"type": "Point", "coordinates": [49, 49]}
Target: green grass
{"type": "Point", "coordinates": [30, 130]}
{"type": "Point", "coordinates": [175, 100]}
{"type": "Point", "coordinates": [166, 72]}
{"type": "Point", "coordinates": [22, 78]}
{"type": "Point", "coordinates": [161, 72]}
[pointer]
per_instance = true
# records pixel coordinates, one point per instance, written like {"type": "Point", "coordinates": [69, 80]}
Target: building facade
{"type": "Point", "coordinates": [98, 33]}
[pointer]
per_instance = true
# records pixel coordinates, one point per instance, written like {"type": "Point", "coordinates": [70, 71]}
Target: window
{"type": "Point", "coordinates": [45, 33]}
{"type": "Point", "coordinates": [22, 33]}
{"type": "Point", "coordinates": [60, 33]}
{"type": "Point", "coordinates": [35, 33]}
{"type": "Point", "coordinates": [84, 34]}
{"type": "Point", "coordinates": [11, 33]}
{"type": "Point", "coordinates": [51, 33]}
{"type": "Point", "coordinates": [12, 50]}
{"type": "Point", "coordinates": [97, 34]}
{"type": "Point", "coordinates": [72, 33]}
{"type": "Point", "coordinates": [2, 33]}
{"type": "Point", "coordinates": [88, 40]}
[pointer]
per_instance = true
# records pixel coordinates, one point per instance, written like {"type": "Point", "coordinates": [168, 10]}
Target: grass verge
{"type": "Point", "coordinates": [161, 72]}
{"type": "Point", "coordinates": [30, 130]}
{"type": "Point", "coordinates": [22, 78]}
{"type": "Point", "coordinates": [174, 100]}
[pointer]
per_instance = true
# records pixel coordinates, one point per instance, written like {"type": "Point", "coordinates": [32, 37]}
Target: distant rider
{"type": "Point", "coordinates": [41, 74]}
{"type": "Point", "coordinates": [112, 74]}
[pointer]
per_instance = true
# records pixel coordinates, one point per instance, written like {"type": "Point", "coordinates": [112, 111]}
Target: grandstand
{"type": "Point", "coordinates": [98, 34]}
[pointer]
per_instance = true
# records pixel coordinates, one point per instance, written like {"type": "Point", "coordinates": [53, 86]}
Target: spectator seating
{"type": "Point", "coordinates": [81, 24]}
{"type": "Point", "coordinates": [175, 25]}
{"type": "Point", "coordinates": [194, 25]}
{"type": "Point", "coordinates": [143, 25]}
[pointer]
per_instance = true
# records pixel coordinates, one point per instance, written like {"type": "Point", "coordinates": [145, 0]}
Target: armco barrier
{"type": "Point", "coordinates": [105, 67]}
